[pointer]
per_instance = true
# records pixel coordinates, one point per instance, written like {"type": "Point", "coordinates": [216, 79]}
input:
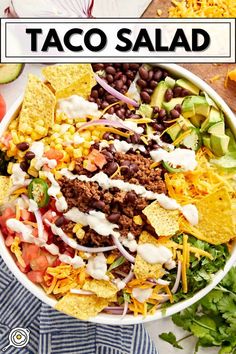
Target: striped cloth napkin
{"type": "Point", "coordinates": [51, 332]}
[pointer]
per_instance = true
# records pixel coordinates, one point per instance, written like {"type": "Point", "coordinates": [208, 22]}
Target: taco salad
{"type": "Point", "coordinates": [118, 188]}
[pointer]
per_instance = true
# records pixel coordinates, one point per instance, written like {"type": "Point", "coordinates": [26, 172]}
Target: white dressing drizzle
{"type": "Point", "coordinates": [76, 106]}
{"type": "Point", "coordinates": [54, 190]}
{"type": "Point", "coordinates": [97, 267]}
{"type": "Point", "coordinates": [26, 232]}
{"type": "Point", "coordinates": [96, 220]}
{"type": "Point", "coordinates": [183, 158]}
{"type": "Point", "coordinates": [38, 149]}
{"type": "Point", "coordinates": [123, 146]}
{"type": "Point", "coordinates": [141, 294]}
{"type": "Point", "coordinates": [18, 175]}
{"type": "Point", "coordinates": [154, 254]}
{"type": "Point", "coordinates": [189, 211]}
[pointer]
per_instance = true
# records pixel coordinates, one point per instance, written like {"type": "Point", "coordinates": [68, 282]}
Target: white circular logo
{"type": "Point", "coordinates": [18, 338]}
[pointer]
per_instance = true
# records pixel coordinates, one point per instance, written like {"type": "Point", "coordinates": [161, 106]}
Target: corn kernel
{"type": "Point", "coordinates": [80, 234]}
{"type": "Point", "coordinates": [85, 152]}
{"type": "Point", "coordinates": [111, 258]}
{"type": "Point", "coordinates": [71, 166]}
{"type": "Point", "coordinates": [87, 144]}
{"type": "Point", "coordinates": [33, 172]}
{"type": "Point", "coordinates": [35, 136]}
{"type": "Point", "coordinates": [29, 130]}
{"type": "Point", "coordinates": [58, 147]}
{"type": "Point", "coordinates": [137, 220]}
{"type": "Point", "coordinates": [24, 127]}
{"type": "Point", "coordinates": [77, 153]}
{"type": "Point", "coordinates": [41, 130]}
{"type": "Point", "coordinates": [9, 168]}
{"type": "Point", "coordinates": [86, 135]}
{"type": "Point", "coordinates": [15, 137]}
{"type": "Point", "coordinates": [72, 129]}
{"type": "Point", "coordinates": [58, 175]}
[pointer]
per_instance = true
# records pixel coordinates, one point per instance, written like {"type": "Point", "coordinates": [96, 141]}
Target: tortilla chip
{"type": "Point", "coordinates": [101, 288]}
{"type": "Point", "coordinates": [5, 185]}
{"type": "Point", "coordinates": [216, 217]}
{"type": "Point", "coordinates": [38, 105]}
{"type": "Point", "coordinates": [165, 222]}
{"type": "Point", "coordinates": [70, 79]}
{"type": "Point", "coordinates": [143, 269]}
{"type": "Point", "coordinates": [81, 306]}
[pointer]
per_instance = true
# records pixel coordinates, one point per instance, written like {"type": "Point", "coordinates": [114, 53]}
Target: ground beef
{"type": "Point", "coordinates": [119, 207]}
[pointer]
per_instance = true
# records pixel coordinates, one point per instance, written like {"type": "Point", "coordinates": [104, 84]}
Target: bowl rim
{"type": "Point", "coordinates": [110, 319]}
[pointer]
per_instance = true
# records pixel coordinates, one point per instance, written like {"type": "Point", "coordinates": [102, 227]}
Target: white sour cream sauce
{"type": "Point", "coordinates": [141, 294]}
{"type": "Point", "coordinates": [97, 267]}
{"type": "Point", "coordinates": [76, 106]}
{"type": "Point", "coordinates": [18, 175]}
{"type": "Point", "coordinates": [154, 254]}
{"type": "Point", "coordinates": [26, 232]}
{"type": "Point", "coordinates": [123, 146]}
{"type": "Point", "coordinates": [184, 158]}
{"type": "Point", "coordinates": [130, 242]}
{"type": "Point", "coordinates": [190, 212]}
{"type": "Point", "coordinates": [95, 219]}
{"type": "Point", "coordinates": [54, 190]}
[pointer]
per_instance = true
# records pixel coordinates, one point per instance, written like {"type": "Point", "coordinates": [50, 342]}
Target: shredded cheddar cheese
{"type": "Point", "coordinates": [203, 8]}
{"type": "Point", "coordinates": [184, 264]}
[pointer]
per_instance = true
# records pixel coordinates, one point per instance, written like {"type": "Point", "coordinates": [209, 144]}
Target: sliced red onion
{"type": "Point", "coordinates": [129, 277]}
{"type": "Point", "coordinates": [81, 292]}
{"type": "Point", "coordinates": [115, 93]}
{"type": "Point", "coordinates": [122, 250]}
{"type": "Point", "coordinates": [111, 123]}
{"type": "Point", "coordinates": [126, 307]}
{"type": "Point", "coordinates": [178, 277]}
{"type": "Point", "coordinates": [95, 249]}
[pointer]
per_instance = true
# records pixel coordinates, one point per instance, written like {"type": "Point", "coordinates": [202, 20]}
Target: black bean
{"type": "Point", "coordinates": [111, 110]}
{"type": "Point", "coordinates": [145, 97]}
{"type": "Point", "coordinates": [23, 146]}
{"type": "Point", "coordinates": [111, 148]}
{"type": "Point", "coordinates": [110, 78]}
{"type": "Point", "coordinates": [156, 109]}
{"type": "Point", "coordinates": [157, 75]}
{"type": "Point", "coordinates": [104, 104]}
{"type": "Point", "coordinates": [108, 155]}
{"type": "Point", "coordinates": [117, 65]}
{"type": "Point", "coordinates": [143, 72]}
{"type": "Point", "coordinates": [168, 95]}
{"type": "Point", "coordinates": [162, 113]}
{"type": "Point", "coordinates": [96, 146]}
{"type": "Point", "coordinates": [110, 70]}
{"type": "Point", "coordinates": [130, 75]}
{"type": "Point", "coordinates": [177, 91]}
{"type": "Point", "coordinates": [111, 99]}
{"type": "Point", "coordinates": [118, 75]}
{"type": "Point", "coordinates": [133, 168]}
{"type": "Point", "coordinates": [164, 74]}
{"type": "Point", "coordinates": [24, 165]}
{"type": "Point", "coordinates": [135, 138]}
{"type": "Point", "coordinates": [106, 136]}
{"type": "Point", "coordinates": [158, 127]}
{"type": "Point", "coordinates": [114, 217]}
{"type": "Point", "coordinates": [91, 99]}
{"type": "Point", "coordinates": [119, 84]}
{"type": "Point", "coordinates": [29, 155]}
{"type": "Point", "coordinates": [125, 66]}
{"type": "Point", "coordinates": [124, 78]}
{"type": "Point", "coordinates": [94, 93]}
{"type": "Point", "coordinates": [101, 91]}
{"type": "Point", "coordinates": [153, 84]}
{"type": "Point", "coordinates": [98, 101]}
{"type": "Point", "coordinates": [148, 90]}
{"type": "Point", "coordinates": [184, 93]}
{"type": "Point", "coordinates": [150, 75]}
{"type": "Point", "coordinates": [120, 114]}
{"type": "Point", "coordinates": [60, 221]}
{"type": "Point", "coordinates": [130, 197]}
{"type": "Point", "coordinates": [134, 66]}
{"type": "Point", "coordinates": [111, 168]}
{"type": "Point", "coordinates": [178, 108]}
{"type": "Point", "coordinates": [141, 83]}
{"type": "Point", "coordinates": [98, 204]}
{"type": "Point", "coordinates": [125, 163]}
{"type": "Point", "coordinates": [174, 113]}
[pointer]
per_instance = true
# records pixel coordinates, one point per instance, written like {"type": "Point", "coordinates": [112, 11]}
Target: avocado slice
{"type": "Point", "coordinates": [168, 106]}
{"type": "Point", "coordinates": [193, 105]}
{"type": "Point", "coordinates": [217, 128]}
{"type": "Point", "coordinates": [181, 125]}
{"type": "Point", "coordinates": [159, 94]}
{"type": "Point", "coordinates": [193, 141]}
{"type": "Point", "coordinates": [206, 140]}
{"type": "Point", "coordinates": [170, 82]}
{"type": "Point", "coordinates": [219, 144]}
{"type": "Point", "coordinates": [10, 72]}
{"type": "Point", "coordinates": [197, 120]}
{"type": "Point", "coordinates": [213, 117]}
{"type": "Point", "coordinates": [146, 110]}
{"type": "Point", "coordinates": [187, 85]}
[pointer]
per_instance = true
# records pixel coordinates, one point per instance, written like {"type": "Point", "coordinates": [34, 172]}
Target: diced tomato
{"type": "Point", "coordinates": [8, 213]}
{"type": "Point", "coordinates": [50, 258]}
{"type": "Point", "coordinates": [35, 276]}
{"type": "Point", "coordinates": [56, 263]}
{"type": "Point", "coordinates": [89, 166]}
{"type": "Point", "coordinates": [9, 240]}
{"type": "Point", "coordinates": [25, 215]}
{"type": "Point", "coordinates": [53, 154]}
{"type": "Point", "coordinates": [5, 140]}
{"type": "Point", "coordinates": [22, 269]}
{"type": "Point", "coordinates": [29, 252]}
{"type": "Point", "coordinates": [49, 216]}
{"type": "Point", "coordinates": [2, 107]}
{"type": "Point", "coordinates": [35, 232]}
{"type": "Point", "coordinates": [39, 263]}
{"type": "Point", "coordinates": [97, 158]}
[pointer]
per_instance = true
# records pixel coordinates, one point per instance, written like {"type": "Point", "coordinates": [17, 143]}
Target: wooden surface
{"type": "Point", "coordinates": [205, 71]}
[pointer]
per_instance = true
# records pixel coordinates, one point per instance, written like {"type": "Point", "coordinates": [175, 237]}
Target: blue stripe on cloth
{"type": "Point", "coordinates": [52, 332]}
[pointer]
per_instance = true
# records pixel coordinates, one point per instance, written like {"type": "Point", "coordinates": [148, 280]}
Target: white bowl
{"type": "Point", "coordinates": [177, 71]}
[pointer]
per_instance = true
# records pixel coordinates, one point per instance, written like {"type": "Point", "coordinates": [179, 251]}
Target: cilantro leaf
{"type": "Point", "coordinates": [171, 339]}
{"type": "Point", "coordinates": [118, 262]}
